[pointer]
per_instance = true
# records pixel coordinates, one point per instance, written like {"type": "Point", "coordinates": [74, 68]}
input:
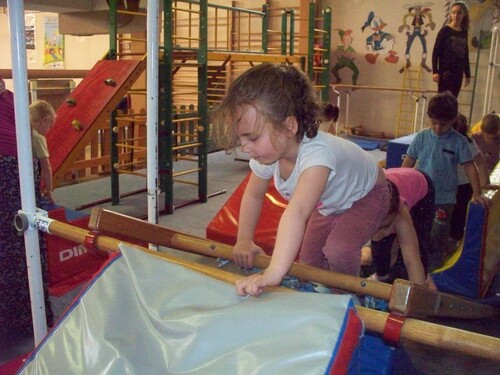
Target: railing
{"type": "Point", "coordinates": [492, 64]}
{"type": "Point", "coordinates": [235, 29]}
{"type": "Point", "coordinates": [419, 97]}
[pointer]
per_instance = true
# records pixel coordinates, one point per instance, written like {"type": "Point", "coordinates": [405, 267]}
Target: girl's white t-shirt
{"type": "Point", "coordinates": [353, 171]}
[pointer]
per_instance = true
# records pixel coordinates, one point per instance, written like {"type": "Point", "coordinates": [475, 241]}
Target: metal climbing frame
{"type": "Point", "coordinates": [319, 44]}
{"type": "Point", "coordinates": [196, 68]}
{"type": "Point", "coordinates": [112, 55]}
{"type": "Point", "coordinates": [123, 127]}
{"type": "Point", "coordinates": [186, 143]}
{"type": "Point", "coordinates": [186, 56]}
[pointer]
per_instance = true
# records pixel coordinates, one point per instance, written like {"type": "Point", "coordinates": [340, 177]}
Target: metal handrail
{"type": "Point", "coordinates": [492, 63]}
{"type": "Point", "coordinates": [417, 94]}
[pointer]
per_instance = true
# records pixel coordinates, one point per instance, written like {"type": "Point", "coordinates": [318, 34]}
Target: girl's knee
{"type": "Point", "coordinates": [344, 260]}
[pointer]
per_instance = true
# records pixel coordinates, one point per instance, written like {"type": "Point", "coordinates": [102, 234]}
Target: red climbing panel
{"type": "Point", "coordinates": [89, 105]}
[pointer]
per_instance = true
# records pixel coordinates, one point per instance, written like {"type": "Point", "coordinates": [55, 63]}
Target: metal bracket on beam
{"type": "Point", "coordinates": [38, 220]}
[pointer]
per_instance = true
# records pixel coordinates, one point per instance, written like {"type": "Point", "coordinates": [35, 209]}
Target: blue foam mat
{"type": "Point", "coordinates": [365, 144]}
{"type": "Point", "coordinates": [378, 358]}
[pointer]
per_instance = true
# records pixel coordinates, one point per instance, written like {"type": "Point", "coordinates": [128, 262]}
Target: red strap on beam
{"type": "Point", "coordinates": [393, 327]}
{"type": "Point", "coordinates": [89, 241]}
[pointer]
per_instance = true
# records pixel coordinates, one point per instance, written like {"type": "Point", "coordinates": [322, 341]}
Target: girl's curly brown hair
{"type": "Point", "coordinates": [276, 92]}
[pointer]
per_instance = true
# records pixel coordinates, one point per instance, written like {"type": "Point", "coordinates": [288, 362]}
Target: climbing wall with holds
{"type": "Point", "coordinates": [90, 104]}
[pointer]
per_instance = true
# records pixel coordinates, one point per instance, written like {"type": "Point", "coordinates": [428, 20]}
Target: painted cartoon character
{"type": "Point", "coordinates": [484, 20]}
{"type": "Point", "coordinates": [379, 42]}
{"type": "Point", "coordinates": [345, 56]}
{"type": "Point", "coordinates": [419, 14]}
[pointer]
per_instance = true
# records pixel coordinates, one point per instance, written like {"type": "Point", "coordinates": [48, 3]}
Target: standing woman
{"type": "Point", "coordinates": [450, 57]}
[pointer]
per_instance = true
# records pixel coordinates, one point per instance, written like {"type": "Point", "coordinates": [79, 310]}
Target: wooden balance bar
{"type": "Point", "coordinates": [404, 297]}
{"type": "Point", "coordinates": [415, 330]}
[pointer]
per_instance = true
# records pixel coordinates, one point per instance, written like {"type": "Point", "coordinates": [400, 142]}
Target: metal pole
{"type": "Point", "coordinates": [113, 124]}
{"type": "Point", "coordinates": [310, 40]}
{"type": "Point", "coordinates": [491, 71]}
{"type": "Point", "coordinates": [284, 15]}
{"type": "Point", "coordinates": [153, 61]}
{"type": "Point", "coordinates": [424, 106]}
{"type": "Point", "coordinates": [325, 56]}
{"type": "Point", "coordinates": [25, 160]}
{"type": "Point", "coordinates": [265, 27]}
{"type": "Point", "coordinates": [337, 92]}
{"type": "Point", "coordinates": [203, 125]}
{"type": "Point", "coordinates": [415, 117]}
{"type": "Point", "coordinates": [292, 32]}
{"type": "Point", "coordinates": [165, 137]}
{"type": "Point", "coordinates": [347, 107]}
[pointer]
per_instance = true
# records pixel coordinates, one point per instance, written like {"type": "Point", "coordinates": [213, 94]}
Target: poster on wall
{"type": "Point", "coordinates": [53, 52]}
{"type": "Point", "coordinates": [29, 30]}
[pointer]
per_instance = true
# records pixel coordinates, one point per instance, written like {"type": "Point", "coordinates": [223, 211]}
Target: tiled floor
{"type": "Point", "coordinates": [225, 174]}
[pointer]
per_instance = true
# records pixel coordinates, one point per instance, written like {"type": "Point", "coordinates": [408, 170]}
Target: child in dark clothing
{"type": "Point", "coordinates": [329, 118]}
{"type": "Point", "coordinates": [405, 229]}
{"type": "Point", "coordinates": [464, 190]}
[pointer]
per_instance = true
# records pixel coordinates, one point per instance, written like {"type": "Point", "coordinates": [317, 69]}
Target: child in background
{"type": "Point", "coordinates": [488, 140]}
{"type": "Point", "coordinates": [405, 231]}
{"type": "Point", "coordinates": [439, 150]}
{"type": "Point", "coordinates": [464, 189]}
{"type": "Point", "coordinates": [337, 194]}
{"type": "Point", "coordinates": [329, 118]}
{"type": "Point", "coordinates": [42, 117]}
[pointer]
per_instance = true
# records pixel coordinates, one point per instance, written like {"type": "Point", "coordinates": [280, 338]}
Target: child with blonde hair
{"type": "Point", "coordinates": [488, 140]}
{"type": "Point", "coordinates": [464, 189]}
{"type": "Point", "coordinates": [42, 117]}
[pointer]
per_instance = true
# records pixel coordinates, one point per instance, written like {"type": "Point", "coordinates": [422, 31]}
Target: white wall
{"type": "Point", "coordinates": [375, 110]}
{"type": "Point", "coordinates": [80, 52]}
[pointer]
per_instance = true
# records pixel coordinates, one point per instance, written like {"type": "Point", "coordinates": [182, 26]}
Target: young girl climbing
{"type": "Point", "coordinates": [337, 194]}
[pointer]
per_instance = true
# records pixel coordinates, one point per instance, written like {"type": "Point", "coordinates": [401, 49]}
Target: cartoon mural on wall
{"type": "Point", "coordinates": [379, 42]}
{"type": "Point", "coordinates": [345, 55]}
{"type": "Point", "coordinates": [420, 21]}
